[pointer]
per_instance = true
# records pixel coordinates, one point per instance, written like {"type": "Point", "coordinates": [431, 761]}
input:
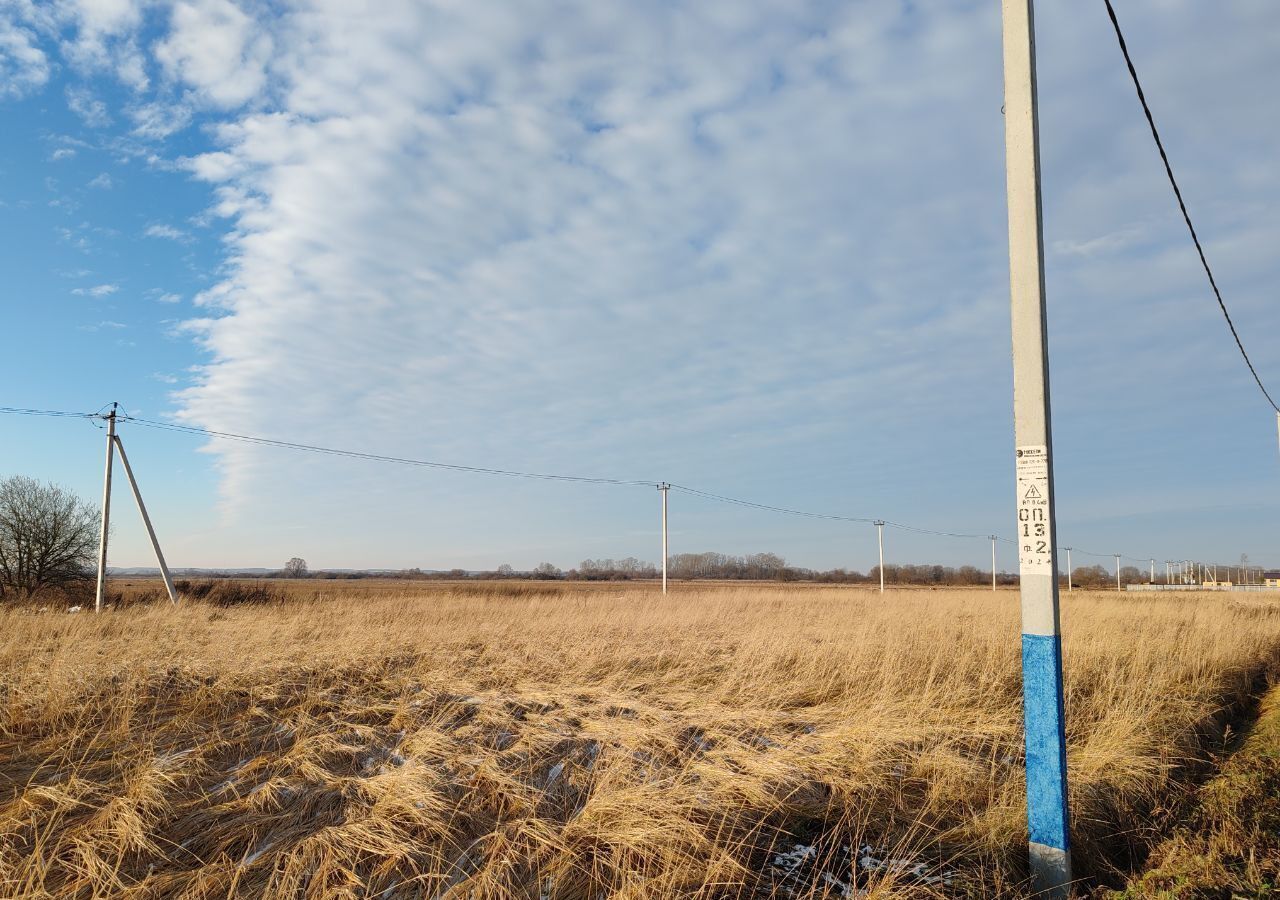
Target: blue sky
{"type": "Point", "coordinates": [757, 249]}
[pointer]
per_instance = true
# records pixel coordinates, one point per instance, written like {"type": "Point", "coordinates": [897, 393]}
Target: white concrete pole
{"type": "Point", "coordinates": [1153, 571]}
{"type": "Point", "coordinates": [1117, 556]}
{"type": "Point", "coordinates": [1046, 751]}
{"type": "Point", "coordinates": [106, 511]}
{"type": "Point", "coordinates": [146, 520]}
{"type": "Point", "coordinates": [1168, 573]}
{"type": "Point", "coordinates": [1070, 587]}
{"type": "Point", "coordinates": [664, 488]}
{"type": "Point", "coordinates": [880, 542]}
{"type": "Point", "coordinates": [993, 561]}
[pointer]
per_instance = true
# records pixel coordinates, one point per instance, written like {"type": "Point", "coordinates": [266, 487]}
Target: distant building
{"type": "Point", "coordinates": [1271, 578]}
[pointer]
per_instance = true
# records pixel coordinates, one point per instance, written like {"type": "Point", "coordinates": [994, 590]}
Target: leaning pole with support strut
{"type": "Point", "coordinates": [1047, 819]}
{"type": "Point", "coordinates": [114, 445]}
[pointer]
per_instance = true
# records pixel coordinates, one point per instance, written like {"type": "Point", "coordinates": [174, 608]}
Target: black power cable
{"type": "Point", "coordinates": [1186, 217]}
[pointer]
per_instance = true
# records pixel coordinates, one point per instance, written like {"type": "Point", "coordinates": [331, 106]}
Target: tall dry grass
{"type": "Point", "coordinates": [558, 742]}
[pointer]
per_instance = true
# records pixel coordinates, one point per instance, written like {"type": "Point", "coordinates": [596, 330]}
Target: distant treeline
{"type": "Point", "coordinates": [689, 567]}
{"type": "Point", "coordinates": [726, 567]}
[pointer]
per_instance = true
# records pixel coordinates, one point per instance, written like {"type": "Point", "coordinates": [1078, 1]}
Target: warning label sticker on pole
{"type": "Point", "coordinates": [1035, 542]}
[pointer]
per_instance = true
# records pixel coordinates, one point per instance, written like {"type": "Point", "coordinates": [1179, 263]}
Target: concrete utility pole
{"type": "Point", "coordinates": [146, 520]}
{"type": "Point", "coordinates": [1168, 572]}
{"type": "Point", "coordinates": [880, 542]}
{"type": "Point", "coordinates": [1070, 587]}
{"type": "Point", "coordinates": [1117, 556]}
{"type": "Point", "coordinates": [106, 511]}
{"type": "Point", "coordinates": [1047, 817]}
{"type": "Point", "coordinates": [993, 561]}
{"type": "Point", "coordinates": [1153, 571]}
{"type": "Point", "coordinates": [664, 488]}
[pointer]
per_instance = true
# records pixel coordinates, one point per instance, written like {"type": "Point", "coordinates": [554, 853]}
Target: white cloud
{"type": "Point", "coordinates": [218, 49]}
{"type": "Point", "coordinates": [166, 231]}
{"type": "Point", "coordinates": [103, 326]}
{"type": "Point", "coordinates": [102, 36]}
{"type": "Point", "coordinates": [62, 153]}
{"type": "Point", "coordinates": [156, 121]}
{"type": "Point", "coordinates": [169, 298]}
{"type": "Point", "coordinates": [101, 290]}
{"type": "Point", "coordinates": [102, 181]}
{"type": "Point", "coordinates": [487, 229]}
{"type": "Point", "coordinates": [91, 110]}
{"type": "Point", "coordinates": [1112, 242]}
{"type": "Point", "coordinates": [23, 65]}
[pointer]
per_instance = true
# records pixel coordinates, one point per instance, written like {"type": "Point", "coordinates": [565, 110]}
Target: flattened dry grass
{"type": "Point", "coordinates": [570, 743]}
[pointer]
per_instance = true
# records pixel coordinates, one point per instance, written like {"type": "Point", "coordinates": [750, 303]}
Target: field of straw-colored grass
{"type": "Point", "coordinates": [560, 741]}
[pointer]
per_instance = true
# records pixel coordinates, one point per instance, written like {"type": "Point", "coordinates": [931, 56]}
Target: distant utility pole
{"type": "Point", "coordinates": [106, 510]}
{"type": "Point", "coordinates": [880, 542]}
{"type": "Point", "coordinates": [1168, 572]}
{"type": "Point", "coordinates": [1046, 751]}
{"type": "Point", "coordinates": [664, 488]}
{"type": "Point", "coordinates": [115, 445]}
{"type": "Point", "coordinates": [1117, 556]}
{"type": "Point", "coordinates": [1069, 584]}
{"type": "Point", "coordinates": [1153, 571]}
{"type": "Point", "coordinates": [993, 561]}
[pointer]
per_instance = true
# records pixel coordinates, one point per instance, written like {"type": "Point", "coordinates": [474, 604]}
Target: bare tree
{"type": "Point", "coordinates": [546, 570]}
{"type": "Point", "coordinates": [48, 536]}
{"type": "Point", "coordinates": [296, 568]}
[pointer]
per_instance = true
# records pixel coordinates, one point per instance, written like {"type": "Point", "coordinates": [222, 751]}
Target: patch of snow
{"type": "Point", "coordinates": [846, 890]}
{"type": "Point", "coordinates": [73, 609]}
{"type": "Point", "coordinates": [556, 771]}
{"type": "Point", "coordinates": [919, 871]}
{"type": "Point", "coordinates": [790, 861]}
{"type": "Point", "coordinates": [253, 857]}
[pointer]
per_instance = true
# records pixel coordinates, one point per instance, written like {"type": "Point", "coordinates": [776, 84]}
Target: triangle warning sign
{"type": "Point", "coordinates": [1033, 493]}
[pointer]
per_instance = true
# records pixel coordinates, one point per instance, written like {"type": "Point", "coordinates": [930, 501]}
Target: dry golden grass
{"type": "Point", "coordinates": [565, 741]}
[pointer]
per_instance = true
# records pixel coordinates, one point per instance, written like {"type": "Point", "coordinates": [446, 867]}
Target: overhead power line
{"type": "Point", "coordinates": [378, 457]}
{"type": "Point", "coordinates": [509, 473]}
{"type": "Point", "coordinates": [1177, 192]}
{"type": "Point", "coordinates": [22, 411]}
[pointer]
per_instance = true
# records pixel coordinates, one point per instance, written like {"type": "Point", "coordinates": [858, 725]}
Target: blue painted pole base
{"type": "Point", "coordinates": [1047, 818]}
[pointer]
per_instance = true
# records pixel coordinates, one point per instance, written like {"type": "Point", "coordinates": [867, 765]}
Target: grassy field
{"type": "Point", "coordinates": [543, 740]}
